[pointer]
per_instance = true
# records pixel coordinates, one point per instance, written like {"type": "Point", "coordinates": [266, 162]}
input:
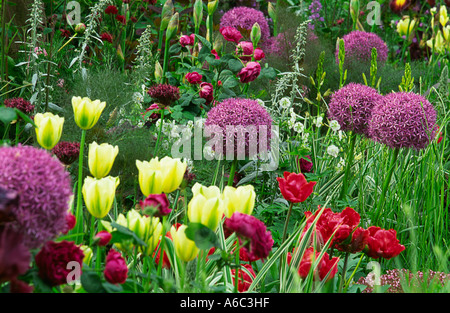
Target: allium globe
{"type": "Point", "coordinates": [403, 120]}
{"type": "Point", "coordinates": [19, 103]}
{"type": "Point", "coordinates": [44, 189]}
{"type": "Point", "coordinates": [243, 125]}
{"type": "Point", "coordinates": [67, 152]}
{"type": "Point", "coordinates": [358, 47]}
{"type": "Point", "coordinates": [352, 107]}
{"type": "Point", "coordinates": [243, 18]}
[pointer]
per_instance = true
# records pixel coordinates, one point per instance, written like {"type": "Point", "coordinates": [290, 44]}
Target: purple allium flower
{"type": "Point", "coordinates": [14, 256]}
{"type": "Point", "coordinates": [252, 233]}
{"type": "Point", "coordinates": [67, 152]}
{"type": "Point", "coordinates": [403, 120]}
{"type": "Point", "coordinates": [241, 124]}
{"type": "Point", "coordinates": [243, 18]}
{"type": "Point", "coordinates": [358, 47]}
{"type": "Point", "coordinates": [19, 103]}
{"type": "Point", "coordinates": [164, 93]}
{"type": "Point", "coordinates": [352, 107]}
{"type": "Point", "coordinates": [44, 190]}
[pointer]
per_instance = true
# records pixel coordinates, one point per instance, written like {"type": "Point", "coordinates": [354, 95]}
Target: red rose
{"type": "Point", "coordinates": [324, 265]}
{"type": "Point", "coordinates": [53, 258]}
{"type": "Point", "coordinates": [245, 50]}
{"type": "Point", "coordinates": [244, 279]}
{"type": "Point", "coordinates": [186, 40]}
{"type": "Point", "coordinates": [103, 238]}
{"type": "Point", "coordinates": [158, 202]}
{"type": "Point", "coordinates": [194, 78]}
{"type": "Point", "coordinates": [250, 72]}
{"type": "Point", "coordinates": [106, 37]}
{"type": "Point", "coordinates": [206, 92]}
{"type": "Point", "coordinates": [231, 34]}
{"type": "Point", "coordinates": [70, 222]}
{"type": "Point", "coordinates": [383, 243]}
{"type": "Point", "coordinates": [116, 270]}
{"type": "Point", "coordinates": [304, 165]}
{"type": "Point", "coordinates": [294, 187]}
{"type": "Point", "coordinates": [259, 54]}
{"type": "Point", "coordinates": [112, 10]}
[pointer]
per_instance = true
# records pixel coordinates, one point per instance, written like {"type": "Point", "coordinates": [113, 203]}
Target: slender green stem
{"type": "Point", "coordinates": [232, 171]}
{"type": "Point", "coordinates": [287, 222]}
{"type": "Point", "coordinates": [163, 241]}
{"type": "Point", "coordinates": [350, 157]}
{"type": "Point", "coordinates": [158, 140]}
{"type": "Point", "coordinates": [236, 274]}
{"type": "Point", "coordinates": [78, 212]}
{"type": "Point", "coordinates": [386, 183]}
{"type": "Point", "coordinates": [344, 270]}
{"type": "Point", "coordinates": [166, 59]}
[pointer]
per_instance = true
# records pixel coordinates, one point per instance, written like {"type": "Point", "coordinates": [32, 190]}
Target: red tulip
{"type": "Point", "coordinates": [383, 243]}
{"type": "Point", "coordinates": [324, 265]}
{"type": "Point", "coordinates": [244, 280]}
{"type": "Point", "coordinates": [294, 187]}
{"type": "Point", "coordinates": [357, 242]}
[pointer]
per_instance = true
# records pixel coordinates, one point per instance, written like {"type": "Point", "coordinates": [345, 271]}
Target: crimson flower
{"type": "Point", "coordinates": [206, 92]}
{"type": "Point", "coordinates": [325, 265]}
{"type": "Point", "coordinates": [106, 37]}
{"type": "Point", "coordinates": [244, 279]}
{"type": "Point", "coordinates": [103, 238]}
{"type": "Point", "coordinates": [194, 78]}
{"type": "Point", "coordinates": [116, 270]}
{"type": "Point", "coordinates": [356, 243]}
{"type": "Point", "coordinates": [14, 255]}
{"type": "Point", "coordinates": [231, 34]}
{"type": "Point", "coordinates": [294, 187]}
{"type": "Point", "coordinates": [250, 72]}
{"type": "Point", "coordinates": [111, 10]}
{"type": "Point", "coordinates": [121, 19]}
{"type": "Point", "coordinates": [158, 202]}
{"type": "Point", "coordinates": [383, 243]}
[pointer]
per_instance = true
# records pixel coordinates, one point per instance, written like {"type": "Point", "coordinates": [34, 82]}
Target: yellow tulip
{"type": "Point", "coordinates": [404, 27]}
{"type": "Point", "coordinates": [87, 254]}
{"type": "Point", "coordinates": [86, 111]}
{"type": "Point", "coordinates": [443, 16]}
{"type": "Point", "coordinates": [101, 158]}
{"type": "Point", "coordinates": [49, 129]}
{"type": "Point", "coordinates": [99, 194]}
{"type": "Point", "coordinates": [439, 43]}
{"type": "Point", "coordinates": [446, 33]}
{"type": "Point", "coordinates": [158, 176]}
{"type": "Point", "coordinates": [206, 206]}
{"type": "Point", "coordinates": [240, 199]}
{"type": "Point", "coordinates": [185, 249]}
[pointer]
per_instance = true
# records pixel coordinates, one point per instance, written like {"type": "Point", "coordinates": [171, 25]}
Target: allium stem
{"type": "Point", "coordinates": [232, 171]}
{"type": "Point", "coordinates": [79, 212]}
{"type": "Point", "coordinates": [350, 157]}
{"type": "Point", "coordinates": [386, 183]}
{"type": "Point", "coordinates": [166, 59]}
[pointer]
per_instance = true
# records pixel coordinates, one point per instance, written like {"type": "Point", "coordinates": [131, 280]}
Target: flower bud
{"type": "Point", "coordinates": [212, 6]}
{"type": "Point", "coordinates": [103, 238]}
{"type": "Point", "coordinates": [255, 34]}
{"type": "Point", "coordinates": [185, 249]}
{"type": "Point", "coordinates": [101, 158]}
{"type": "Point", "coordinates": [80, 28]}
{"type": "Point", "coordinates": [158, 71]}
{"type": "Point", "coordinates": [167, 12]}
{"type": "Point", "coordinates": [172, 28]}
{"type": "Point", "coordinates": [198, 12]}
{"type": "Point", "coordinates": [272, 11]}
{"type": "Point", "coordinates": [49, 129]}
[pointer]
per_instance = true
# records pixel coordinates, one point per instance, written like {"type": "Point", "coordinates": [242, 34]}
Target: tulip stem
{"type": "Point", "coordinates": [158, 140]}
{"type": "Point", "coordinates": [161, 259]}
{"type": "Point", "coordinates": [350, 157]}
{"type": "Point", "coordinates": [344, 270]}
{"type": "Point", "coordinates": [78, 212]}
{"type": "Point", "coordinates": [287, 221]}
{"type": "Point", "coordinates": [232, 171]}
{"type": "Point", "coordinates": [236, 274]}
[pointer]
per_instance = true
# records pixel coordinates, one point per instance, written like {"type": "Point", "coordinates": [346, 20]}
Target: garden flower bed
{"type": "Point", "coordinates": [245, 147]}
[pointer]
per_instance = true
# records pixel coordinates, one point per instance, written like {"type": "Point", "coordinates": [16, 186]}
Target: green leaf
{"type": "Point", "coordinates": [203, 237]}
{"type": "Point", "coordinates": [123, 234]}
{"type": "Point", "coordinates": [204, 42]}
{"type": "Point", "coordinates": [111, 288]}
{"type": "Point", "coordinates": [7, 115]}
{"type": "Point", "coordinates": [25, 117]}
{"type": "Point", "coordinates": [92, 282]}
{"type": "Point", "coordinates": [235, 65]}
{"type": "Point", "coordinates": [204, 53]}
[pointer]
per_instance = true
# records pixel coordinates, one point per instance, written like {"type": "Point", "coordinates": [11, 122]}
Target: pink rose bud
{"type": "Point", "coordinates": [206, 92]}
{"type": "Point", "coordinates": [250, 72]}
{"type": "Point", "coordinates": [231, 34]}
{"type": "Point", "coordinates": [216, 55]}
{"type": "Point", "coordinates": [116, 270]}
{"type": "Point", "coordinates": [258, 54]}
{"type": "Point", "coordinates": [70, 222]}
{"type": "Point", "coordinates": [103, 238]}
{"type": "Point", "coordinates": [194, 78]}
{"type": "Point", "coordinates": [186, 40]}
{"type": "Point", "coordinates": [156, 202]}
{"type": "Point", "coordinates": [245, 50]}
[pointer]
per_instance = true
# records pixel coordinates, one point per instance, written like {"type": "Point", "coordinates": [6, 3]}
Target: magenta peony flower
{"type": "Point", "coordinates": [67, 152]}
{"type": "Point", "coordinates": [53, 258]}
{"type": "Point", "coordinates": [358, 47]}
{"type": "Point", "coordinates": [164, 93]}
{"type": "Point", "coordinates": [403, 120]}
{"type": "Point", "coordinates": [244, 50]}
{"type": "Point", "coordinates": [14, 255]}
{"type": "Point", "coordinates": [18, 286]}
{"type": "Point", "coordinates": [206, 92]}
{"type": "Point", "coordinates": [116, 270]}
{"type": "Point", "coordinates": [71, 221]}
{"type": "Point", "coordinates": [44, 188]}
{"type": "Point", "coordinates": [158, 202]}
{"type": "Point", "coordinates": [250, 72]}
{"type": "Point", "coordinates": [186, 40]}
{"type": "Point", "coordinates": [305, 165]}
{"type": "Point", "coordinates": [252, 234]}
{"type": "Point", "coordinates": [243, 18]}
{"type": "Point", "coordinates": [243, 124]}
{"type": "Point", "coordinates": [258, 53]}
{"type": "Point", "coordinates": [194, 78]}
{"type": "Point", "coordinates": [352, 107]}
{"type": "Point", "coordinates": [19, 103]}
{"type": "Point", "coordinates": [103, 238]}
{"type": "Point", "coordinates": [231, 34]}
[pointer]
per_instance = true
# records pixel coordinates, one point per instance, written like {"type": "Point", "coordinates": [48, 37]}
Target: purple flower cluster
{"type": "Point", "coordinates": [235, 119]}
{"type": "Point", "coordinates": [243, 18]}
{"type": "Point", "coordinates": [358, 47]}
{"type": "Point", "coordinates": [67, 152]}
{"type": "Point", "coordinates": [314, 9]}
{"type": "Point", "coordinates": [164, 93]}
{"type": "Point", "coordinates": [44, 190]}
{"type": "Point", "coordinates": [352, 107]}
{"type": "Point", "coordinates": [19, 103]}
{"type": "Point", "coordinates": [403, 120]}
